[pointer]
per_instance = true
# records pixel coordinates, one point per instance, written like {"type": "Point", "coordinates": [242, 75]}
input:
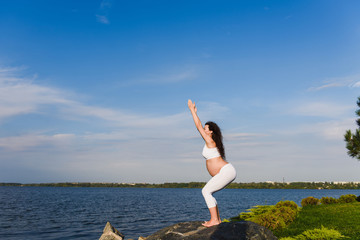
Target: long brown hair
{"type": "Point", "coordinates": [217, 137]}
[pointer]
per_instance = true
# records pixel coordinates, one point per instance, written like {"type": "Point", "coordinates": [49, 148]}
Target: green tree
{"type": "Point", "coordinates": [353, 139]}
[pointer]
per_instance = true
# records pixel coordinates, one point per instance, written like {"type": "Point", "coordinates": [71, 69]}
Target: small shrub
{"type": "Point", "coordinates": [290, 204]}
{"type": "Point", "coordinates": [309, 201]}
{"type": "Point", "coordinates": [323, 233]}
{"type": "Point", "coordinates": [256, 210]}
{"type": "Point", "coordinates": [271, 216]}
{"type": "Point", "coordinates": [270, 220]}
{"type": "Point", "coordinates": [276, 218]}
{"type": "Point", "coordinates": [358, 198]}
{"type": "Point", "coordinates": [347, 198]}
{"type": "Point", "coordinates": [288, 214]}
{"type": "Point", "coordinates": [317, 234]}
{"type": "Point", "coordinates": [328, 200]}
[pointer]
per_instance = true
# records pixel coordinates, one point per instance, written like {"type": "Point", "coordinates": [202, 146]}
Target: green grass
{"type": "Point", "coordinates": [344, 217]}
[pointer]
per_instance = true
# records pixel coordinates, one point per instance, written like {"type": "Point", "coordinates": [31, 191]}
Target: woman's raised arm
{"type": "Point", "coordinates": [197, 122]}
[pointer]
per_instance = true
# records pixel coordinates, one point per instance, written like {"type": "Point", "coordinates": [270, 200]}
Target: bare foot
{"type": "Point", "coordinates": [211, 223]}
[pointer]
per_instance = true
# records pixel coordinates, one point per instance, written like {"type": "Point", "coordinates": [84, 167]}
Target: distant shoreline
{"type": "Point", "coordinates": [253, 185]}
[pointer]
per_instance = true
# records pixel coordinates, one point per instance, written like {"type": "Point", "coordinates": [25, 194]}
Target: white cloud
{"type": "Point", "coordinates": [24, 142]}
{"type": "Point", "coordinates": [357, 84]}
{"type": "Point", "coordinates": [328, 130]}
{"type": "Point", "coordinates": [333, 130]}
{"type": "Point", "coordinates": [334, 120]}
{"type": "Point", "coordinates": [321, 109]}
{"type": "Point", "coordinates": [167, 77]}
{"type": "Point", "coordinates": [21, 96]}
{"type": "Point", "coordinates": [63, 136]}
{"type": "Point", "coordinates": [244, 135]}
{"type": "Point", "coordinates": [186, 75]}
{"type": "Point", "coordinates": [102, 19]}
{"type": "Point", "coordinates": [104, 8]}
{"type": "Point", "coordinates": [348, 81]}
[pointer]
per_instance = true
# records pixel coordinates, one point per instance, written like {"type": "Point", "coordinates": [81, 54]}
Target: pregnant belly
{"type": "Point", "coordinates": [214, 165]}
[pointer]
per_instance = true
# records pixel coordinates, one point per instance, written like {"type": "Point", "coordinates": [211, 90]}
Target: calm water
{"type": "Point", "coordinates": [81, 213]}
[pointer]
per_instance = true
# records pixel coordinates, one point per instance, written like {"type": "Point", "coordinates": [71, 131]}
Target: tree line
{"type": "Point", "coordinates": [251, 185]}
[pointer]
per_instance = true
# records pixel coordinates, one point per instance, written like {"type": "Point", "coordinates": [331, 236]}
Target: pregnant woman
{"type": "Point", "coordinates": [221, 171]}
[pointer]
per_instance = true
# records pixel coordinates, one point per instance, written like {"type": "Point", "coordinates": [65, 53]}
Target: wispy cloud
{"type": "Point", "coordinates": [20, 96]}
{"type": "Point", "coordinates": [328, 130]}
{"type": "Point", "coordinates": [334, 130]}
{"type": "Point", "coordinates": [357, 84]}
{"type": "Point", "coordinates": [321, 109]}
{"type": "Point", "coordinates": [102, 19]}
{"type": "Point", "coordinates": [243, 136]}
{"type": "Point", "coordinates": [103, 12]}
{"type": "Point", "coordinates": [23, 142]}
{"type": "Point", "coordinates": [166, 77]}
{"type": "Point", "coordinates": [348, 81]}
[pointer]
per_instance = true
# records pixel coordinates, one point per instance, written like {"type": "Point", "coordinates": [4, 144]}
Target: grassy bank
{"type": "Point", "coordinates": [343, 217]}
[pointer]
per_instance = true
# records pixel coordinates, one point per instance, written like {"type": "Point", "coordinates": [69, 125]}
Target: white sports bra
{"type": "Point", "coordinates": [209, 153]}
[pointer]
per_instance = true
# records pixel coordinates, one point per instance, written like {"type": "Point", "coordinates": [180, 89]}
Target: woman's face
{"type": "Point", "coordinates": [207, 130]}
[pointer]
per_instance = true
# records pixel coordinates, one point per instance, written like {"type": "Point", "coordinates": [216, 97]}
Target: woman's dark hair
{"type": "Point", "coordinates": [217, 137]}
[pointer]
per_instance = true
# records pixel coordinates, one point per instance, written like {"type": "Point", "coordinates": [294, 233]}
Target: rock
{"type": "Point", "coordinates": [110, 233]}
{"type": "Point", "coordinates": [243, 230]}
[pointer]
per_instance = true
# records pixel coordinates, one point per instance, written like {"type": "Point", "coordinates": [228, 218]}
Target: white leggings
{"type": "Point", "coordinates": [226, 175]}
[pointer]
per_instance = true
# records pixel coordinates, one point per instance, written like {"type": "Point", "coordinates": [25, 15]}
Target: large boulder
{"type": "Point", "coordinates": [243, 230]}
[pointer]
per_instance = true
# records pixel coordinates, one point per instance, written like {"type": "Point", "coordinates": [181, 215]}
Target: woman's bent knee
{"type": "Point", "coordinates": [205, 192]}
{"type": "Point", "coordinates": [209, 199]}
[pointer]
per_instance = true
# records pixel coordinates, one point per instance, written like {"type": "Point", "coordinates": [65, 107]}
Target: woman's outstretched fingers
{"type": "Point", "coordinates": [190, 103]}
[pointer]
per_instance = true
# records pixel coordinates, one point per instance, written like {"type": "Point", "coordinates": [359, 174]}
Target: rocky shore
{"type": "Point", "coordinates": [243, 230]}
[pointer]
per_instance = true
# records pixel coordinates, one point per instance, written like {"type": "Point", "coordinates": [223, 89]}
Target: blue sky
{"type": "Point", "coordinates": [97, 90]}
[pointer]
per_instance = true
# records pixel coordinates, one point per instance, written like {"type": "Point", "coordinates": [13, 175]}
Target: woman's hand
{"type": "Point", "coordinates": [198, 124]}
{"type": "Point", "coordinates": [192, 106]}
